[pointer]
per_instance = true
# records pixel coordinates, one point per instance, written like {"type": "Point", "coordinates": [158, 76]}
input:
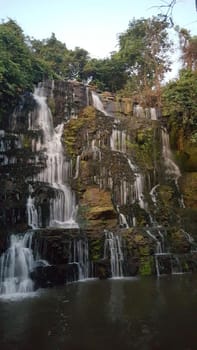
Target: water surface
{"type": "Point", "coordinates": [142, 314]}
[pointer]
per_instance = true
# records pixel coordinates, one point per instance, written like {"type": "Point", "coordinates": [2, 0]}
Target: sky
{"type": "Point", "coordinates": [93, 25]}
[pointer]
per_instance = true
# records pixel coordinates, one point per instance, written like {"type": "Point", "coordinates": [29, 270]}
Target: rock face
{"type": "Point", "coordinates": [136, 209]}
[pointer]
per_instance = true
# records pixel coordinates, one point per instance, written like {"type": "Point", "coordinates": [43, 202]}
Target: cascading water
{"type": "Point", "coordinates": [118, 141]}
{"type": "Point", "coordinates": [97, 103]}
{"type": "Point", "coordinates": [62, 206]}
{"type": "Point", "coordinates": [79, 255]}
{"type": "Point", "coordinates": [77, 167]}
{"type": "Point", "coordinates": [138, 186]}
{"type": "Point", "coordinates": [113, 250]}
{"type": "Point", "coordinates": [153, 194]}
{"type": "Point", "coordinates": [122, 219]}
{"type": "Point", "coordinates": [172, 168]}
{"type": "Point", "coordinates": [16, 264]}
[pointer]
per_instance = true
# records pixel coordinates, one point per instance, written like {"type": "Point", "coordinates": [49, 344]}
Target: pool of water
{"type": "Point", "coordinates": [142, 314]}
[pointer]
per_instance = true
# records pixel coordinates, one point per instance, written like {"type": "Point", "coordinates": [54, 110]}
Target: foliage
{"type": "Point", "coordinates": [75, 126]}
{"type": "Point", "coordinates": [143, 48]}
{"type": "Point", "coordinates": [56, 61]}
{"type": "Point", "coordinates": [188, 46]}
{"type": "Point", "coordinates": [179, 102]}
{"type": "Point", "coordinates": [16, 71]}
{"type": "Point", "coordinates": [107, 74]}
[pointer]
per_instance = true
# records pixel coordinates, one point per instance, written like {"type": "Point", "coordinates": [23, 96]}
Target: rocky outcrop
{"type": "Point", "coordinates": [120, 180]}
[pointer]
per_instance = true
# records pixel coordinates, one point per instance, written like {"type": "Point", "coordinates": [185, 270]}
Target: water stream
{"type": "Point", "coordinates": [55, 175]}
{"type": "Point", "coordinates": [16, 264]}
{"type": "Point", "coordinates": [113, 250]}
{"type": "Point", "coordinates": [97, 103]}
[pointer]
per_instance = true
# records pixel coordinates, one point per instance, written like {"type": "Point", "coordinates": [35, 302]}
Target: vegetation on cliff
{"type": "Point", "coordinates": [136, 71]}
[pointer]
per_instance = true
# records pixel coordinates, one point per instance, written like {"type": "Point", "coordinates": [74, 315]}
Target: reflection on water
{"type": "Point", "coordinates": [125, 314]}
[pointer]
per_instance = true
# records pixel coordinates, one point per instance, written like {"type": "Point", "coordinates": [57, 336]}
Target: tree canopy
{"type": "Point", "coordinates": [137, 68]}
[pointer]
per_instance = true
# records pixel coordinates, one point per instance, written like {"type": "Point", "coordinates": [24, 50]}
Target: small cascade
{"type": "Point", "coordinates": [188, 237]}
{"type": "Point", "coordinates": [79, 255]}
{"type": "Point", "coordinates": [122, 219]}
{"type": "Point", "coordinates": [77, 167]}
{"type": "Point", "coordinates": [153, 113]}
{"type": "Point", "coordinates": [97, 103]}
{"type": "Point", "coordinates": [118, 141]}
{"type": "Point", "coordinates": [138, 190]}
{"type": "Point", "coordinates": [87, 96]}
{"type": "Point", "coordinates": [171, 168]}
{"type": "Point", "coordinates": [62, 207]}
{"type": "Point", "coordinates": [138, 185]}
{"type": "Point", "coordinates": [158, 249]}
{"type": "Point", "coordinates": [176, 267]}
{"type": "Point", "coordinates": [95, 151]}
{"type": "Point", "coordinates": [153, 194]}
{"type": "Point", "coordinates": [32, 213]}
{"type": "Point", "coordinates": [138, 111]}
{"type": "Point", "coordinates": [16, 264]}
{"type": "Point", "coordinates": [113, 250]}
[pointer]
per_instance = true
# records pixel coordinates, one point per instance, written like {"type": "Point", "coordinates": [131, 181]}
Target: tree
{"type": "Point", "coordinates": [108, 73]}
{"type": "Point", "coordinates": [144, 48]}
{"type": "Point", "coordinates": [188, 47]}
{"type": "Point", "coordinates": [51, 58]}
{"type": "Point", "coordinates": [179, 102]}
{"type": "Point", "coordinates": [16, 72]}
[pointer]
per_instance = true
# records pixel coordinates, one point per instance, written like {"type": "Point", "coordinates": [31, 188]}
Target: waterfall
{"type": "Point", "coordinates": [118, 141]}
{"type": "Point", "coordinates": [158, 243]}
{"type": "Point", "coordinates": [97, 103]}
{"type": "Point", "coordinates": [122, 219]}
{"type": "Point", "coordinates": [153, 194]}
{"type": "Point", "coordinates": [32, 213]}
{"type": "Point", "coordinates": [62, 207]}
{"type": "Point", "coordinates": [138, 111]}
{"type": "Point", "coordinates": [95, 151]}
{"type": "Point", "coordinates": [79, 255]}
{"type": "Point", "coordinates": [138, 185]}
{"type": "Point", "coordinates": [113, 250]}
{"type": "Point", "coordinates": [138, 190]}
{"type": "Point", "coordinates": [171, 168]}
{"type": "Point", "coordinates": [16, 264]}
{"type": "Point", "coordinates": [176, 267]}
{"type": "Point", "coordinates": [153, 113]}
{"type": "Point", "coordinates": [77, 167]}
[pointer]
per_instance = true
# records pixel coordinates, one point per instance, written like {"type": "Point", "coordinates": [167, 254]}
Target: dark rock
{"type": "Point", "coordinates": [49, 276]}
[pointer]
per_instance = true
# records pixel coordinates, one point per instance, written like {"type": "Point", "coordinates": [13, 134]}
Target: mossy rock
{"type": "Point", "coordinates": [189, 189]}
{"type": "Point", "coordinates": [166, 194]}
{"type": "Point", "coordinates": [187, 157]}
{"type": "Point", "coordinates": [73, 133]}
{"type": "Point", "coordinates": [146, 266]}
{"type": "Point", "coordinates": [99, 211]}
{"type": "Point", "coordinates": [179, 243]}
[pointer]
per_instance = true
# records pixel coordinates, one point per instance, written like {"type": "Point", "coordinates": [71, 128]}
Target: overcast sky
{"type": "Point", "coordinates": [90, 24]}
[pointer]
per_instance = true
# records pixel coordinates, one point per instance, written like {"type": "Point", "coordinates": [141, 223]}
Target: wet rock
{"type": "Point", "coordinates": [49, 276]}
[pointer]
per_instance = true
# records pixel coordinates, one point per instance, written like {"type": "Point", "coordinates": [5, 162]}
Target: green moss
{"type": "Point", "coordinates": [165, 193]}
{"type": "Point", "coordinates": [26, 141]}
{"type": "Point", "coordinates": [146, 266]}
{"type": "Point", "coordinates": [96, 249]}
{"type": "Point", "coordinates": [73, 132]}
{"type": "Point", "coordinates": [144, 250]}
{"type": "Point", "coordinates": [51, 104]}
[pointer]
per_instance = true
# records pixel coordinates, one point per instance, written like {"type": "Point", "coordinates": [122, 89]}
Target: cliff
{"type": "Point", "coordinates": [119, 180]}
